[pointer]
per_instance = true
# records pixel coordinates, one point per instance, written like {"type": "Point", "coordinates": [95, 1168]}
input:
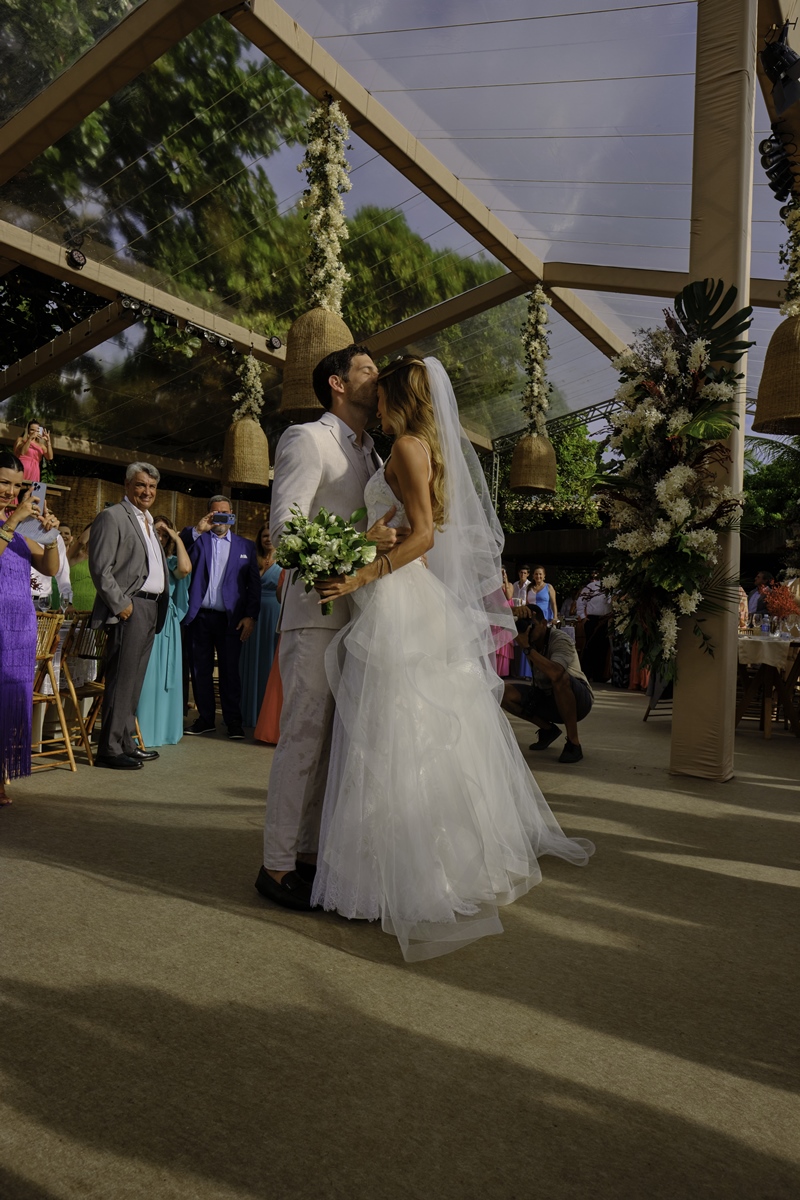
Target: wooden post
{"type": "Point", "coordinates": [703, 721]}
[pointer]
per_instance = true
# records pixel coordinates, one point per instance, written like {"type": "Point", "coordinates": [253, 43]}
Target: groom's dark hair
{"type": "Point", "coordinates": [335, 363]}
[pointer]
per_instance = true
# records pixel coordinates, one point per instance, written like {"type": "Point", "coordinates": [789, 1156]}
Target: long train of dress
{"type": "Point", "coordinates": [431, 818]}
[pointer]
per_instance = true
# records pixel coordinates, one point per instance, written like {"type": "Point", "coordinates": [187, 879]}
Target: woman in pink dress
{"type": "Point", "coordinates": [31, 448]}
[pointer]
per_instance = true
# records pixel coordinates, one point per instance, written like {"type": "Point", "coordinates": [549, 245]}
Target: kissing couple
{"type": "Point", "coordinates": [398, 791]}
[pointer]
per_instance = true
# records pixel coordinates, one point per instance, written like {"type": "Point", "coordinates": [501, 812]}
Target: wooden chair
{"type": "Point", "coordinates": [47, 632]}
{"type": "Point", "coordinates": [87, 645]}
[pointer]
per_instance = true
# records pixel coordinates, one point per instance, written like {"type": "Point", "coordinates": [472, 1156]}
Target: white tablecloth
{"type": "Point", "coordinates": [774, 652]}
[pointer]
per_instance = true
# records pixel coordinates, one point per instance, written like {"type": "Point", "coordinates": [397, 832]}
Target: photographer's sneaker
{"type": "Point", "coordinates": [571, 753]}
{"type": "Point", "coordinates": [546, 738]}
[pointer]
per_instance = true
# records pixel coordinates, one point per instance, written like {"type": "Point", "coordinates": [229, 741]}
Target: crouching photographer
{"type": "Point", "coordinates": [559, 693]}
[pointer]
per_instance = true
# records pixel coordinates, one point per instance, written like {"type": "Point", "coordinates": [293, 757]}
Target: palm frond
{"type": "Point", "coordinates": [702, 310]}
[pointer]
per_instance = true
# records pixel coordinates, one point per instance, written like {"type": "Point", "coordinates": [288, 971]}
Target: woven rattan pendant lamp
{"type": "Point", "coordinates": [533, 463]}
{"type": "Point", "coordinates": [778, 405]}
{"type": "Point", "coordinates": [533, 466]}
{"type": "Point", "coordinates": [312, 336]}
{"type": "Point", "coordinates": [245, 457]}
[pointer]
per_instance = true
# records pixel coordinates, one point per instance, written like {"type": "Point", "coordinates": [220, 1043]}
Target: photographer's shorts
{"type": "Point", "coordinates": [542, 704]}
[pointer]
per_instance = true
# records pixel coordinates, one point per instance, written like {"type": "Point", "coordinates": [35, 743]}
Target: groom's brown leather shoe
{"type": "Point", "coordinates": [291, 892]}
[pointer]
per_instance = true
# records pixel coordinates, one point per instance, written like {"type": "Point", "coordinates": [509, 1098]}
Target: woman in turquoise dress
{"type": "Point", "coordinates": [543, 594]}
{"type": "Point", "coordinates": [160, 711]}
{"type": "Point", "coordinates": [258, 651]}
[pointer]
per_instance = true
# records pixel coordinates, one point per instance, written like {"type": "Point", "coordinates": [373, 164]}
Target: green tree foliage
{"type": "Point", "coordinates": [170, 172]}
{"type": "Point", "coordinates": [572, 504]}
{"type": "Point", "coordinates": [771, 481]}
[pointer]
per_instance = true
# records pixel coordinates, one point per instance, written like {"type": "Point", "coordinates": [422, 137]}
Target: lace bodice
{"type": "Point", "coordinates": [379, 498]}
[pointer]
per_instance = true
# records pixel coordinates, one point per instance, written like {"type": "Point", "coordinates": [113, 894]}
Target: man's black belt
{"type": "Point", "coordinates": [146, 595]}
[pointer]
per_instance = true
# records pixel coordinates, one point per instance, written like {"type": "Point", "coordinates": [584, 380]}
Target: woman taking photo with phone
{"type": "Point", "coordinates": [33, 445]}
{"type": "Point", "coordinates": [18, 619]}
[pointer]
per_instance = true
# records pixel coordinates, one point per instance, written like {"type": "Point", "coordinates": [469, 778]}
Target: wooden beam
{"type": "Point", "coordinates": [149, 31]}
{"type": "Point", "coordinates": [30, 250]}
{"type": "Point", "coordinates": [90, 333]}
{"type": "Point", "coordinates": [278, 36]}
{"type": "Point", "coordinates": [75, 447]}
{"type": "Point", "coordinates": [764, 293]}
{"type": "Point", "coordinates": [449, 312]}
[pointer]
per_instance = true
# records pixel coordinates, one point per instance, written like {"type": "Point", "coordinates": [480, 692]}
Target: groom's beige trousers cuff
{"type": "Point", "coordinates": [300, 765]}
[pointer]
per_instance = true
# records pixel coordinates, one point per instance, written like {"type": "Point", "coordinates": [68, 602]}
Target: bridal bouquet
{"type": "Point", "coordinates": [325, 546]}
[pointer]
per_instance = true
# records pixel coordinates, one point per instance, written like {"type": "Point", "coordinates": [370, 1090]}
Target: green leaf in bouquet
{"type": "Point", "coordinates": [358, 515]}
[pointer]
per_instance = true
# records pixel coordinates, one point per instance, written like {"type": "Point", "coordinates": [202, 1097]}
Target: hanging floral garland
{"type": "Point", "coordinates": [327, 174]}
{"type": "Point", "coordinates": [790, 258]}
{"type": "Point", "coordinates": [536, 348]}
{"type": "Point", "coordinates": [677, 409]}
{"type": "Point", "coordinates": [250, 398]}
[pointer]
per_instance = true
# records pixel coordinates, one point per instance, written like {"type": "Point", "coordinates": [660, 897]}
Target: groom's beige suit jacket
{"type": "Point", "coordinates": [316, 466]}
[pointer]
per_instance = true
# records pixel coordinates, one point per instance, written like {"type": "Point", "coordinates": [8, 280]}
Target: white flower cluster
{"type": "Point", "coordinates": [323, 546]}
{"type": "Point", "coordinates": [327, 173]}
{"type": "Point", "coordinates": [536, 395]}
{"type": "Point", "coordinates": [250, 399]}
{"type": "Point", "coordinates": [668, 627]}
{"type": "Point", "coordinates": [790, 257]}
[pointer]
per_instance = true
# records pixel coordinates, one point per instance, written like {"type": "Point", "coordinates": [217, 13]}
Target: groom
{"type": "Point", "coordinates": [324, 464]}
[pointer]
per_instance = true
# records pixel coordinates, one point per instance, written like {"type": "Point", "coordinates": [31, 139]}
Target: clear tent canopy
{"type": "Point", "coordinates": [571, 124]}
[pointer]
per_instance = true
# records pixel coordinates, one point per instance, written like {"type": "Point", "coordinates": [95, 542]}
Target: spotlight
{"type": "Point", "coordinates": [146, 311]}
{"type": "Point", "coordinates": [129, 302]}
{"type": "Point", "coordinates": [782, 67]}
{"type": "Point", "coordinates": [190, 328]}
{"type": "Point", "coordinates": [777, 166]}
{"type": "Point", "coordinates": [76, 259]}
{"type": "Point", "coordinates": [274, 343]}
{"type": "Point", "coordinates": [223, 343]}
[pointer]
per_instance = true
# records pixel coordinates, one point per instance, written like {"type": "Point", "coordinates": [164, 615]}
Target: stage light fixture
{"type": "Point", "coordinates": [76, 259]}
{"type": "Point", "coordinates": [274, 343]}
{"type": "Point", "coordinates": [782, 67]}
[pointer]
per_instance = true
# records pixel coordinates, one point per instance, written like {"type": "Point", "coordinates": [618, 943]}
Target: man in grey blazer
{"type": "Point", "coordinates": [326, 463]}
{"type": "Point", "coordinates": [128, 568]}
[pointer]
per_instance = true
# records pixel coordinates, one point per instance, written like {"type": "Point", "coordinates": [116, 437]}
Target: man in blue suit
{"type": "Point", "coordinates": [224, 601]}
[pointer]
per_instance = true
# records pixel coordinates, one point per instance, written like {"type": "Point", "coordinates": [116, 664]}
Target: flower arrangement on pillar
{"type": "Point", "coordinates": [326, 172]}
{"type": "Point", "coordinates": [533, 465]}
{"type": "Point", "coordinates": [677, 391]}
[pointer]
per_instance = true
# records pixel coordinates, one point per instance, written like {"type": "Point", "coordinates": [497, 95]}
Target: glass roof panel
{"type": "Point", "coordinates": [575, 128]}
{"type": "Point", "coordinates": [41, 41]}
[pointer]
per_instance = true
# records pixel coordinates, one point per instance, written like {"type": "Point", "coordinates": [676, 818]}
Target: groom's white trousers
{"type": "Point", "coordinates": [300, 765]}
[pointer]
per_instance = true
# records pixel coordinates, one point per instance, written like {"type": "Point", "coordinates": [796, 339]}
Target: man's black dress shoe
{"type": "Point", "coordinates": [119, 762]}
{"type": "Point", "coordinates": [306, 871]}
{"type": "Point", "coordinates": [145, 755]}
{"type": "Point", "coordinates": [291, 892]}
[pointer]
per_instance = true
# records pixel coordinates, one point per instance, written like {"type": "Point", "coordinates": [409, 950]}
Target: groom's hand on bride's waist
{"type": "Point", "coordinates": [384, 537]}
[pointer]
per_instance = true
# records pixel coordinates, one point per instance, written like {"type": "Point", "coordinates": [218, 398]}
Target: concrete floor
{"type": "Point", "coordinates": [167, 1033]}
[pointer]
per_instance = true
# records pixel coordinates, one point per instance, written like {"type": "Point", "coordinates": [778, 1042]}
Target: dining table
{"type": "Point", "coordinates": [777, 663]}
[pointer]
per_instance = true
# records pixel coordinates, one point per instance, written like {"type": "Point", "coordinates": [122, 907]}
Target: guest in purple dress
{"type": "Point", "coordinates": [18, 620]}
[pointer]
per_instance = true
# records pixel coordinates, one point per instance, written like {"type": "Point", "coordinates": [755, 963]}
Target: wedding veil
{"type": "Point", "coordinates": [466, 554]}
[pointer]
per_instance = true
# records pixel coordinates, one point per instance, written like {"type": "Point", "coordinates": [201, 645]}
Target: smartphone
{"type": "Point", "coordinates": [223, 518]}
{"type": "Point", "coordinates": [31, 527]}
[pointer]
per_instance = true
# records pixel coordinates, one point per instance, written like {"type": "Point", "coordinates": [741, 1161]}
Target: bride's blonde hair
{"type": "Point", "coordinates": [410, 410]}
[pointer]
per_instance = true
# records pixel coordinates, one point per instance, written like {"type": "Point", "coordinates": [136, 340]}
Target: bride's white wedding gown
{"type": "Point", "coordinates": [431, 816]}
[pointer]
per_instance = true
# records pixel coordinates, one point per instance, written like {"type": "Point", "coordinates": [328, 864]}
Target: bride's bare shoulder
{"type": "Point", "coordinates": [412, 449]}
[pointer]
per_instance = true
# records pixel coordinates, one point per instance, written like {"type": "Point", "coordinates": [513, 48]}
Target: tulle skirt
{"type": "Point", "coordinates": [431, 818]}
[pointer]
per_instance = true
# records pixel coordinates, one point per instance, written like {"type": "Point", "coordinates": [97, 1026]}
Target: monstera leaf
{"type": "Point", "coordinates": [702, 311]}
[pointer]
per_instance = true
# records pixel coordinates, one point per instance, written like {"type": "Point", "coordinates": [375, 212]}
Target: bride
{"type": "Point", "coordinates": [431, 817]}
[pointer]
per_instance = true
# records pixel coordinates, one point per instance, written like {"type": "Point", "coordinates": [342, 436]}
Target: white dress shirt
{"type": "Point", "coordinates": [155, 574]}
{"type": "Point", "coordinates": [592, 601]}
{"type": "Point", "coordinates": [220, 553]}
{"type": "Point", "coordinates": [520, 594]}
{"type": "Point", "coordinates": [366, 463]}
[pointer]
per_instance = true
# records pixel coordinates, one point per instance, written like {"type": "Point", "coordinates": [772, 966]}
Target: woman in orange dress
{"type": "Point", "coordinates": [268, 726]}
